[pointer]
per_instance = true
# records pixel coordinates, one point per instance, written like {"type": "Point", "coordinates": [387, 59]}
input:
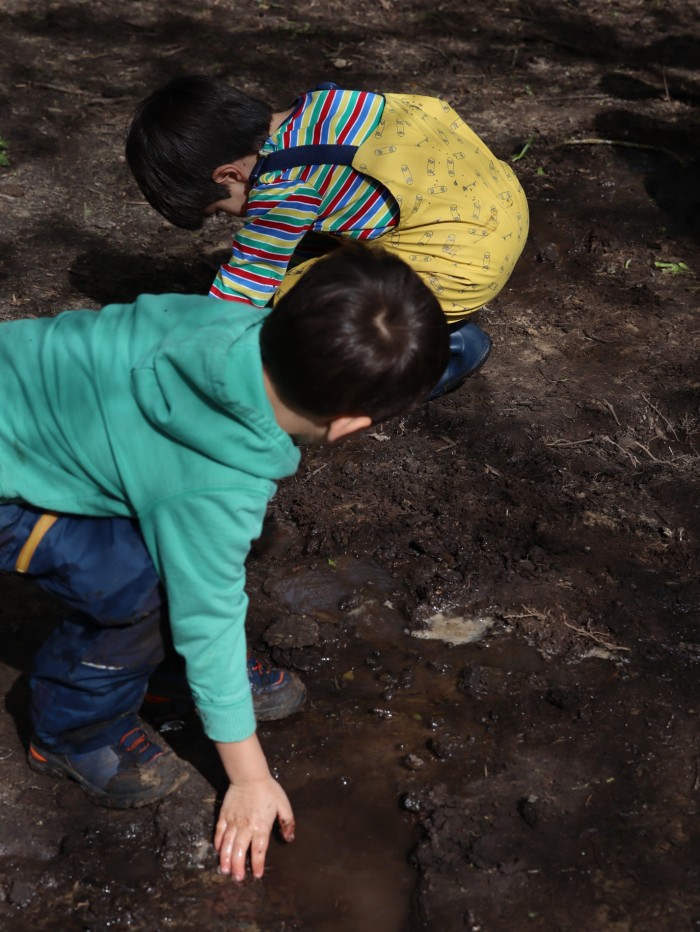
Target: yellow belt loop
{"type": "Point", "coordinates": [45, 522]}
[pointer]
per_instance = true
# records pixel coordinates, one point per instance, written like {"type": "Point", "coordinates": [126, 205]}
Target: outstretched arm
{"type": "Point", "coordinates": [252, 803]}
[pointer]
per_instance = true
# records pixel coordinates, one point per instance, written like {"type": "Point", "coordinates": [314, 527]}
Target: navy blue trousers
{"type": "Point", "coordinates": [90, 676]}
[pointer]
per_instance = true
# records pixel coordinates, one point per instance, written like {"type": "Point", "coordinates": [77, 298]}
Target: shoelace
{"type": "Point", "coordinates": [263, 673]}
{"type": "Point", "coordinates": [136, 741]}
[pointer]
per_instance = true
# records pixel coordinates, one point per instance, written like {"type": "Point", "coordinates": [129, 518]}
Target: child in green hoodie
{"type": "Point", "coordinates": [137, 458]}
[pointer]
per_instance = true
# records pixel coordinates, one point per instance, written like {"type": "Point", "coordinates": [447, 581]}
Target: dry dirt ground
{"type": "Point", "coordinates": [547, 776]}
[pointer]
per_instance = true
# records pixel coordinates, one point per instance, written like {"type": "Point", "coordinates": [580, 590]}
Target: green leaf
{"type": "Point", "coordinates": [672, 268]}
{"type": "Point", "coordinates": [523, 151]}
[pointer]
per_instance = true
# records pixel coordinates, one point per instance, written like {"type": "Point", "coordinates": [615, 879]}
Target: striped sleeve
{"type": "Point", "coordinates": [277, 218]}
{"type": "Point", "coordinates": [333, 199]}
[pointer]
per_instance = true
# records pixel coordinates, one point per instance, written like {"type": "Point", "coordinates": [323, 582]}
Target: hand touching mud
{"type": "Point", "coordinates": [251, 805]}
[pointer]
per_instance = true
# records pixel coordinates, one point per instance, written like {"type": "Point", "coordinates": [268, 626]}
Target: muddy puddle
{"type": "Point", "coordinates": [390, 717]}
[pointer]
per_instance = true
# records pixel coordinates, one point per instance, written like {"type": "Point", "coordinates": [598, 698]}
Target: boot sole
{"type": "Point", "coordinates": [294, 699]}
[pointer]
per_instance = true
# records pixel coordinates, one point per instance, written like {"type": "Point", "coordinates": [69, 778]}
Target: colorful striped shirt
{"type": "Point", "coordinates": [285, 205]}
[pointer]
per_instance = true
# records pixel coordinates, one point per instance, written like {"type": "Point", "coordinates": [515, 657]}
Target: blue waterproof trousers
{"type": "Point", "coordinates": [92, 672]}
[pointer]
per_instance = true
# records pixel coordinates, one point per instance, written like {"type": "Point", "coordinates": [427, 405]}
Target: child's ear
{"type": "Point", "coordinates": [342, 426]}
{"type": "Point", "coordinates": [231, 173]}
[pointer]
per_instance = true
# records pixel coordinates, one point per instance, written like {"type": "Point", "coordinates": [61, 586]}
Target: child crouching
{"type": "Point", "coordinates": [138, 452]}
{"type": "Point", "coordinates": [402, 170]}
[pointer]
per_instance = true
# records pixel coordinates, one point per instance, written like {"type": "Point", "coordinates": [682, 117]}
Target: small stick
{"type": "Point", "coordinates": [663, 75]}
{"type": "Point", "coordinates": [528, 613]}
{"type": "Point", "coordinates": [311, 474]}
{"type": "Point", "coordinates": [612, 411]}
{"type": "Point", "coordinates": [652, 457]}
{"type": "Point", "coordinates": [568, 443]}
{"type": "Point", "coordinates": [598, 339]}
{"type": "Point", "coordinates": [436, 50]}
{"type": "Point", "coordinates": [664, 419]}
{"type": "Point", "coordinates": [577, 97]}
{"type": "Point", "coordinates": [594, 636]}
{"type": "Point", "coordinates": [65, 89]}
{"type": "Point", "coordinates": [448, 443]}
{"type": "Point", "coordinates": [607, 439]}
{"type": "Point", "coordinates": [593, 141]}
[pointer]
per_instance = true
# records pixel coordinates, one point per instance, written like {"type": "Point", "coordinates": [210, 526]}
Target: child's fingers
{"type": "Point", "coordinates": [221, 827]}
{"type": "Point", "coordinates": [287, 827]}
{"type": "Point", "coordinates": [238, 852]}
{"type": "Point", "coordinates": [285, 816]}
{"type": "Point", "coordinates": [258, 850]}
{"type": "Point", "coordinates": [225, 847]}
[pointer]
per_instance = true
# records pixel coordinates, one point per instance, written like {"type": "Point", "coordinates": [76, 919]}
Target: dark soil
{"type": "Point", "coordinates": [546, 776]}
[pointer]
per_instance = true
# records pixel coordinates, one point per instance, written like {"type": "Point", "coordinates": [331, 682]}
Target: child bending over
{"type": "Point", "coordinates": [401, 170]}
{"type": "Point", "coordinates": [139, 447]}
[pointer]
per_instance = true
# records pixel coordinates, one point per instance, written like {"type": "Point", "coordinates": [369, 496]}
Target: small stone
{"type": "Point", "coordinates": [413, 762]}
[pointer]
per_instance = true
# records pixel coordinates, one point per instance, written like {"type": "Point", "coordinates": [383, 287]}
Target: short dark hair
{"type": "Point", "coordinates": [185, 130]}
{"type": "Point", "coordinates": [358, 334]}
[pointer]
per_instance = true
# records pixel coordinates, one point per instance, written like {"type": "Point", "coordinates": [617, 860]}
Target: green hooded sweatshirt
{"type": "Point", "coordinates": [156, 410]}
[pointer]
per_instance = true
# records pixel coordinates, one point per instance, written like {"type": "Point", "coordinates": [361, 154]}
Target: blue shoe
{"type": "Point", "coordinates": [133, 772]}
{"type": "Point", "coordinates": [469, 350]}
{"type": "Point", "coordinates": [276, 693]}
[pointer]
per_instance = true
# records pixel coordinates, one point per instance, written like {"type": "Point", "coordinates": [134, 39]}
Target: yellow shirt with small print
{"type": "Point", "coordinates": [463, 214]}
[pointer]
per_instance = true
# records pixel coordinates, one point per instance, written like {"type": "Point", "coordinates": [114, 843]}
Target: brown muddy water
{"type": "Point", "coordinates": [386, 718]}
{"type": "Point", "coordinates": [383, 718]}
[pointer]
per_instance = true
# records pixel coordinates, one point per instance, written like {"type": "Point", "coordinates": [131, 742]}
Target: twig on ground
{"type": "Point", "coordinates": [596, 636]}
{"type": "Point", "coordinates": [666, 93]}
{"type": "Point", "coordinates": [663, 418]}
{"type": "Point", "coordinates": [568, 443]}
{"type": "Point", "coordinates": [611, 410]}
{"type": "Point", "coordinates": [311, 474]}
{"type": "Point", "coordinates": [589, 336]}
{"type": "Point", "coordinates": [448, 443]}
{"type": "Point", "coordinates": [593, 141]}
{"type": "Point", "coordinates": [437, 51]}
{"type": "Point", "coordinates": [651, 456]}
{"type": "Point", "coordinates": [553, 381]}
{"type": "Point", "coordinates": [529, 612]}
{"type": "Point", "coordinates": [635, 461]}
{"type": "Point", "coordinates": [576, 97]}
{"type": "Point", "coordinates": [79, 92]}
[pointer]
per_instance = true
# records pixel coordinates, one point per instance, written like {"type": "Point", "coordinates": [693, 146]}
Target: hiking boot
{"type": "Point", "coordinates": [276, 693]}
{"type": "Point", "coordinates": [469, 350]}
{"type": "Point", "coordinates": [133, 772]}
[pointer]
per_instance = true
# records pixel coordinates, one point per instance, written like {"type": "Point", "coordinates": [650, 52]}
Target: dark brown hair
{"type": "Point", "coordinates": [358, 334]}
{"type": "Point", "coordinates": [181, 133]}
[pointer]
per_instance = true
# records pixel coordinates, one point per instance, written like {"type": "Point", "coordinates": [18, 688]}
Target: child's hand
{"type": "Point", "coordinates": [245, 821]}
{"type": "Point", "coordinates": [251, 804]}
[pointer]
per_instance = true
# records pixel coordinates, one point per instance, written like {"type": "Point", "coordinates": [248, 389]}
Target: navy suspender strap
{"type": "Point", "coordinates": [302, 155]}
{"type": "Point", "coordinates": [298, 156]}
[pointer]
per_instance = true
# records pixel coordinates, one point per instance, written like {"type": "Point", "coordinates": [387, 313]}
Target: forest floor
{"type": "Point", "coordinates": [544, 775]}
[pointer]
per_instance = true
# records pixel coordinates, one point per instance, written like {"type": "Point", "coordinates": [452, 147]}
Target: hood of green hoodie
{"type": "Point", "coordinates": [203, 386]}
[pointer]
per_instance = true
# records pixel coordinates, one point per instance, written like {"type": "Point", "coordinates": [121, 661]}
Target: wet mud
{"type": "Point", "coordinates": [493, 601]}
